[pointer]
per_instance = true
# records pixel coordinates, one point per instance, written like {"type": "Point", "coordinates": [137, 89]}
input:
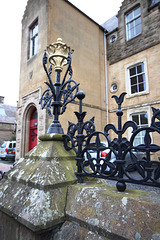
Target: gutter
{"type": "Point", "coordinates": [106, 79]}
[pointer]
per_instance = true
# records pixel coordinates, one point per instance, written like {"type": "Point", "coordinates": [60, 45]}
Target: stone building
{"type": "Point", "coordinates": [133, 52]}
{"type": "Point", "coordinates": [7, 121]}
{"type": "Point", "coordinates": [43, 23]}
{"type": "Point", "coordinates": [131, 42]}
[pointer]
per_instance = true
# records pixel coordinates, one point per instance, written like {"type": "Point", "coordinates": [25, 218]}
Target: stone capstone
{"type": "Point", "coordinates": [100, 208]}
{"type": "Point", "coordinates": [34, 191]}
{"type": "Point", "coordinates": [40, 199]}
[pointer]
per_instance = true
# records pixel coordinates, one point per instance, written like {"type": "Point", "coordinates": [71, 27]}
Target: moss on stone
{"type": "Point", "coordinates": [35, 190]}
{"type": "Point", "coordinates": [51, 137]}
{"type": "Point", "coordinates": [124, 214]}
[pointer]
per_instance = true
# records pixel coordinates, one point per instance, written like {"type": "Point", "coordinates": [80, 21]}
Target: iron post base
{"type": "Point", "coordinates": [55, 127]}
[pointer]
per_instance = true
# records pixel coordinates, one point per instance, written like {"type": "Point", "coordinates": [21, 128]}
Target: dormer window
{"type": "Point", "coordinates": [133, 23]}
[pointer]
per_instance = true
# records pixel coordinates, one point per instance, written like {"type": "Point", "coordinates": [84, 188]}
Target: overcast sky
{"type": "Point", "coordinates": [11, 13]}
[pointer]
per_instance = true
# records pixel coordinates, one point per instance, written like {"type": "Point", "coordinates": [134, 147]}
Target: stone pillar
{"type": "Point", "coordinates": [33, 194]}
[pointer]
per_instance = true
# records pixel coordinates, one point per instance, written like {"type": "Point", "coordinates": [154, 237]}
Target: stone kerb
{"type": "Point", "coordinates": [34, 192]}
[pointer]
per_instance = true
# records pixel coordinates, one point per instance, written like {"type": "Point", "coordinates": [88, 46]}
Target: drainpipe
{"type": "Point", "coordinates": [106, 80]}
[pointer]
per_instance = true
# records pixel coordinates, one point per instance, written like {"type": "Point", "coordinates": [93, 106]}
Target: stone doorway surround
{"type": "Point", "coordinates": [28, 102]}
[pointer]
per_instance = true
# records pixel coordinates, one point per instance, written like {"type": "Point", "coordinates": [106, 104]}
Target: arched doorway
{"type": "Point", "coordinates": [33, 124]}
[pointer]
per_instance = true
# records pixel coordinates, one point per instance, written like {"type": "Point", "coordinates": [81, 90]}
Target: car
{"type": "Point", "coordinates": [11, 154]}
{"type": "Point", "coordinates": [130, 159]}
{"type": "Point", "coordinates": [4, 148]}
{"type": "Point", "coordinates": [90, 153]}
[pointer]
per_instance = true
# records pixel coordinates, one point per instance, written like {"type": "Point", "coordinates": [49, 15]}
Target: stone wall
{"type": "Point", "coordinates": [6, 132]}
{"type": "Point", "coordinates": [95, 211]}
{"type": "Point", "coordinates": [40, 199]}
{"type": "Point", "coordinates": [149, 37]}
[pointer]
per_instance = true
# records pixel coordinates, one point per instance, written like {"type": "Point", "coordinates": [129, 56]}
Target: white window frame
{"type": "Point", "coordinates": [138, 110]}
{"type": "Point", "coordinates": [133, 20]}
{"type": "Point", "coordinates": [127, 78]}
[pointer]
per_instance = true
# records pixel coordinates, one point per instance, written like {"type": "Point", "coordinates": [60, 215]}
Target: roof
{"type": "Point", "coordinates": [111, 24]}
{"type": "Point", "coordinates": [154, 3]}
{"type": "Point", "coordinates": [100, 26]}
{"type": "Point", "coordinates": [7, 113]}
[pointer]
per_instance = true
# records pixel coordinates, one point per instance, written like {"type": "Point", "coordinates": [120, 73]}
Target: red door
{"type": "Point", "coordinates": [33, 130]}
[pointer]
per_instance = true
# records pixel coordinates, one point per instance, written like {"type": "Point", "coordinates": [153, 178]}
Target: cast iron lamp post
{"type": "Point", "coordinates": [58, 95]}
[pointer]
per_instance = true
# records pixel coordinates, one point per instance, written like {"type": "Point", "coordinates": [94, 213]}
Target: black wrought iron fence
{"type": "Point", "coordinates": [117, 159]}
{"type": "Point", "coordinates": [1, 174]}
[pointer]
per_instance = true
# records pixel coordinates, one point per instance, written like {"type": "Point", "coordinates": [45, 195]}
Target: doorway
{"type": "Point", "coordinates": [33, 124]}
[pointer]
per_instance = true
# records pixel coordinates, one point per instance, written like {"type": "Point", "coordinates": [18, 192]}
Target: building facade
{"type": "Point", "coordinates": [7, 121]}
{"type": "Point", "coordinates": [122, 55]}
{"type": "Point", "coordinates": [43, 23]}
{"type": "Point", "coordinates": [133, 51]}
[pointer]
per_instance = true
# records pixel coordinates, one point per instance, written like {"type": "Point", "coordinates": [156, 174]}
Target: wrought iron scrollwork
{"type": "Point", "coordinates": [65, 94]}
{"type": "Point", "coordinates": [56, 97]}
{"type": "Point", "coordinates": [118, 159]}
{"type": "Point", "coordinates": [1, 175]}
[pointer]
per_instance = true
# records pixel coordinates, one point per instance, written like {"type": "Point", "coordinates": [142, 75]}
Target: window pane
{"type": "Point", "coordinates": [133, 80]}
{"type": "Point", "coordinates": [134, 89]}
{"type": "Point", "coordinates": [137, 12]}
{"type": "Point", "coordinates": [132, 33]}
{"type": "Point", "coordinates": [138, 26]}
{"type": "Point", "coordinates": [138, 21]}
{"type": "Point", "coordinates": [132, 71]}
{"type": "Point", "coordinates": [36, 45]}
{"type": "Point", "coordinates": [130, 26]}
{"type": "Point", "coordinates": [140, 68]}
{"type": "Point", "coordinates": [35, 30]}
{"type": "Point", "coordinates": [135, 118]}
{"type": "Point", "coordinates": [140, 78]}
{"type": "Point", "coordinates": [144, 118]}
{"type": "Point", "coordinates": [129, 17]}
{"type": "Point", "coordinates": [137, 141]}
{"type": "Point", "coordinates": [143, 133]}
{"type": "Point", "coordinates": [142, 121]}
{"type": "Point", "coordinates": [141, 87]}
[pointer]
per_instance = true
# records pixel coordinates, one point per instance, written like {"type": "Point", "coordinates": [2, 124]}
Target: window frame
{"type": "Point", "coordinates": [133, 20]}
{"type": "Point", "coordinates": [128, 80]}
{"type": "Point", "coordinates": [33, 39]}
{"type": "Point", "coordinates": [136, 111]}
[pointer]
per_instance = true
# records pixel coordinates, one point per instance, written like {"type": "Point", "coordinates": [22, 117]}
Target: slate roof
{"type": "Point", "coordinates": [154, 3]}
{"type": "Point", "coordinates": [7, 113]}
{"type": "Point", "coordinates": [111, 24]}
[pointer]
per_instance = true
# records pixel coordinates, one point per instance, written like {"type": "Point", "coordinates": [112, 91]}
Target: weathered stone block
{"type": "Point", "coordinates": [34, 192]}
{"type": "Point", "coordinates": [113, 214]}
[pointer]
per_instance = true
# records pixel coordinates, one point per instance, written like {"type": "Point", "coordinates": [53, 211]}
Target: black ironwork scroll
{"type": "Point", "coordinates": [118, 159]}
{"type": "Point", "coordinates": [56, 97]}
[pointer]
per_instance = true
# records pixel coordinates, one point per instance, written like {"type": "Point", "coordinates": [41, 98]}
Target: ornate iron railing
{"type": "Point", "coordinates": [1, 174]}
{"type": "Point", "coordinates": [118, 159]}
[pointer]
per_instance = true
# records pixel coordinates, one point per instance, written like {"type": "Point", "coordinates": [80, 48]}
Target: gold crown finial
{"type": "Point", "coordinates": [58, 54]}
